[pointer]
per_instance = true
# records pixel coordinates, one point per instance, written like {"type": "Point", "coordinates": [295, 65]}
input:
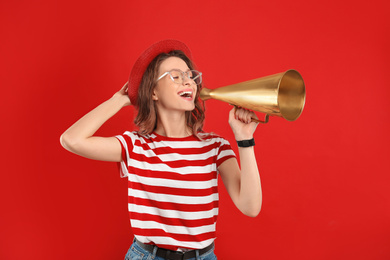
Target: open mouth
{"type": "Point", "coordinates": [185, 94]}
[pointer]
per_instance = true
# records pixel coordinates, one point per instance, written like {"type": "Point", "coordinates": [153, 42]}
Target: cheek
{"type": "Point", "coordinates": [158, 91]}
{"type": "Point", "coordinates": [164, 91]}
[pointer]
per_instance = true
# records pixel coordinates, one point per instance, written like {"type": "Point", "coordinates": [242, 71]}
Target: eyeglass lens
{"type": "Point", "coordinates": [178, 76]}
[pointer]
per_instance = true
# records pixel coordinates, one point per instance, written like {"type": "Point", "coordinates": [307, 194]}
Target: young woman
{"type": "Point", "coordinates": [172, 166]}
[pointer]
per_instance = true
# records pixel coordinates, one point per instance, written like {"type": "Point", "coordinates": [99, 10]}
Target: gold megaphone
{"type": "Point", "coordinates": [281, 94]}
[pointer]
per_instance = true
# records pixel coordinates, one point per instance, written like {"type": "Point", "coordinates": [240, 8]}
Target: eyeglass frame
{"type": "Point", "coordinates": [183, 74]}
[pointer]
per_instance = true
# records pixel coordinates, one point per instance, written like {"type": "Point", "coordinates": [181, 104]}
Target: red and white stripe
{"type": "Point", "coordinates": [173, 187]}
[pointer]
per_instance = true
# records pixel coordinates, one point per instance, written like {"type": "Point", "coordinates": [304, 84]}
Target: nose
{"type": "Point", "coordinates": [187, 80]}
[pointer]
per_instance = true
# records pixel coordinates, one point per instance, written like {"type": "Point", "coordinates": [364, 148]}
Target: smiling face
{"type": "Point", "coordinates": [170, 96]}
{"type": "Point", "coordinates": [164, 97]}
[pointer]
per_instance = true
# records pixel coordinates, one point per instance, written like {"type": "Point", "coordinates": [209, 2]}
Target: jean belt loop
{"type": "Point", "coordinates": [154, 251]}
{"type": "Point", "coordinates": [197, 254]}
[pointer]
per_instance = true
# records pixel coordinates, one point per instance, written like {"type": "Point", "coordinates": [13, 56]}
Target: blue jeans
{"type": "Point", "coordinates": [138, 253]}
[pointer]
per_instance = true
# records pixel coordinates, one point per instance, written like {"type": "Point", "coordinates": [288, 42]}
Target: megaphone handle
{"type": "Point", "coordinates": [266, 119]}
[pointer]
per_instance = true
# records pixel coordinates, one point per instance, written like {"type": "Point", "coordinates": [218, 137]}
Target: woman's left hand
{"type": "Point", "coordinates": [240, 120]}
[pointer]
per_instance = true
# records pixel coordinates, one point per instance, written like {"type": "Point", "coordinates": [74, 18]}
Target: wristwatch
{"type": "Point", "coordinates": [246, 143]}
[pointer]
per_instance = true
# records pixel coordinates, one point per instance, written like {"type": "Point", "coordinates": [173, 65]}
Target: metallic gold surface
{"type": "Point", "coordinates": [281, 94]}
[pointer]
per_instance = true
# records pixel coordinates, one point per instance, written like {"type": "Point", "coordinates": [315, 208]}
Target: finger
{"type": "Point", "coordinates": [232, 112]}
{"type": "Point", "coordinates": [248, 116]}
{"type": "Point", "coordinates": [254, 116]}
{"type": "Point", "coordinates": [237, 113]}
{"type": "Point", "coordinates": [245, 115]}
{"type": "Point", "coordinates": [251, 115]}
{"type": "Point", "coordinates": [242, 115]}
{"type": "Point", "coordinates": [125, 87]}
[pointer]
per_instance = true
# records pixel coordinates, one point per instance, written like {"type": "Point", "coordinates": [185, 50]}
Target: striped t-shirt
{"type": "Point", "coordinates": [173, 187]}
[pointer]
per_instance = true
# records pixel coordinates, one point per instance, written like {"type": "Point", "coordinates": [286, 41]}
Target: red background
{"type": "Point", "coordinates": [325, 176]}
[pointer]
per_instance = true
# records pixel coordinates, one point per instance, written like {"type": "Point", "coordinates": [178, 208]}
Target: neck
{"type": "Point", "coordinates": [172, 125]}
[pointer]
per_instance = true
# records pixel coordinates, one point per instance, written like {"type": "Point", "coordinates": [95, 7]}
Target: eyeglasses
{"type": "Point", "coordinates": [178, 76]}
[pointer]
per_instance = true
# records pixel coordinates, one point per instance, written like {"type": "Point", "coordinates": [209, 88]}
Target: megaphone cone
{"type": "Point", "coordinates": [281, 94]}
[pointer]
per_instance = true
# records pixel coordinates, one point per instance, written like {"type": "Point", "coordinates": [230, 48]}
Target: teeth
{"type": "Point", "coordinates": [185, 93]}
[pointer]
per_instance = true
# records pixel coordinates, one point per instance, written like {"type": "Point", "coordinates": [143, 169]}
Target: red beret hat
{"type": "Point", "coordinates": [146, 57]}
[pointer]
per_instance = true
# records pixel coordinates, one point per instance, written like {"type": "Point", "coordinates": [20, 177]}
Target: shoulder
{"type": "Point", "coordinates": [212, 137]}
{"type": "Point", "coordinates": [221, 145]}
{"type": "Point", "coordinates": [215, 139]}
{"type": "Point", "coordinates": [134, 135]}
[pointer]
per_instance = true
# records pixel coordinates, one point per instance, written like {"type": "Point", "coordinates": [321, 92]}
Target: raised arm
{"type": "Point", "coordinates": [79, 137]}
{"type": "Point", "coordinates": [243, 185]}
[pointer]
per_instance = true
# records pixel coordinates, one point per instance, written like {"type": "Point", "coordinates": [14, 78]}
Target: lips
{"type": "Point", "coordinates": [187, 94]}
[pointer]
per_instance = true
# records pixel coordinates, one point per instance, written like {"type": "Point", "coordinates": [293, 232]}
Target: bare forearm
{"type": "Point", "coordinates": [250, 198]}
{"type": "Point", "coordinates": [91, 122]}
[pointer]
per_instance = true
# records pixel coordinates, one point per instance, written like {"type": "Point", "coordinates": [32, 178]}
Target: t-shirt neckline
{"type": "Point", "coordinates": [166, 138]}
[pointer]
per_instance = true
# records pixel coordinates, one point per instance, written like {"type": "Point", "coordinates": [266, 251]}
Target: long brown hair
{"type": "Point", "coordinates": [146, 118]}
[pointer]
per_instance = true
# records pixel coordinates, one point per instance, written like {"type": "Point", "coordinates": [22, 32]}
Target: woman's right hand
{"type": "Point", "coordinates": [80, 137]}
{"type": "Point", "coordinates": [123, 94]}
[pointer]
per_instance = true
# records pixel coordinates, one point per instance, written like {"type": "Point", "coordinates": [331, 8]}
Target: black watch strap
{"type": "Point", "coordinates": [246, 143]}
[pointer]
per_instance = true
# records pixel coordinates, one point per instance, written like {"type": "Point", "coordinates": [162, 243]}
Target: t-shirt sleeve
{"type": "Point", "coordinates": [127, 146]}
{"type": "Point", "coordinates": [225, 152]}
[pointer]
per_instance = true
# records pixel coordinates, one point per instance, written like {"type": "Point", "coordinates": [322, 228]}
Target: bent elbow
{"type": "Point", "coordinates": [66, 142]}
{"type": "Point", "coordinates": [63, 141]}
{"type": "Point", "coordinates": [253, 211]}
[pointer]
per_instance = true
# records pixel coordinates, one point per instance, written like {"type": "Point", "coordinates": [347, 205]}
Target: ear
{"type": "Point", "coordinates": [154, 95]}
